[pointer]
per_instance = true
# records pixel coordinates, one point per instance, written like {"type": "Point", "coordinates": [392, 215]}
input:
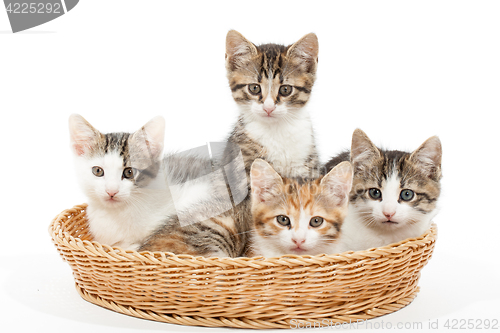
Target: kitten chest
{"type": "Point", "coordinates": [287, 146]}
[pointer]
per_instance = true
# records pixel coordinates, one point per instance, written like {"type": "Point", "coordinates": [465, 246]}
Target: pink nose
{"type": "Point", "coordinates": [298, 241]}
{"type": "Point", "coordinates": [269, 109]}
{"type": "Point", "coordinates": [111, 193]}
{"type": "Point", "coordinates": [389, 215]}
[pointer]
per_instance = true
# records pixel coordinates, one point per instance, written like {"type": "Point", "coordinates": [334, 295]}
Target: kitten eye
{"type": "Point", "coordinates": [316, 221]}
{"type": "Point", "coordinates": [375, 193]}
{"type": "Point", "coordinates": [128, 173]}
{"type": "Point", "coordinates": [283, 220]}
{"type": "Point", "coordinates": [254, 88]}
{"type": "Point", "coordinates": [407, 195]}
{"type": "Point", "coordinates": [285, 90]}
{"type": "Point", "coordinates": [98, 171]}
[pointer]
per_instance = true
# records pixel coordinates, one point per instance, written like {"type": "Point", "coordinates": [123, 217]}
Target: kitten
{"type": "Point", "coordinates": [126, 181]}
{"type": "Point", "coordinates": [394, 194]}
{"type": "Point", "coordinates": [296, 215]}
{"type": "Point", "coordinates": [271, 84]}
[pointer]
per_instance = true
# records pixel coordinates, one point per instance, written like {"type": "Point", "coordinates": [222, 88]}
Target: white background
{"type": "Point", "coordinates": [401, 71]}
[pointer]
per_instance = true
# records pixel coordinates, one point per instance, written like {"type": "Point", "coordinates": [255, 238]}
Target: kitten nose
{"type": "Point", "coordinates": [111, 193]}
{"type": "Point", "coordinates": [269, 108]}
{"type": "Point", "coordinates": [298, 241]}
{"type": "Point", "coordinates": [389, 215]}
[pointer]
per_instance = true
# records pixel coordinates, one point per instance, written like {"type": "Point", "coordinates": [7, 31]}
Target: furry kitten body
{"type": "Point", "coordinates": [394, 194]}
{"type": "Point", "coordinates": [126, 181]}
{"type": "Point", "coordinates": [295, 215]}
{"type": "Point", "coordinates": [220, 236]}
{"type": "Point", "coordinates": [271, 84]}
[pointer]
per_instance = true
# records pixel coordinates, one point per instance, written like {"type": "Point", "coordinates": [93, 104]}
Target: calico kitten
{"type": "Point", "coordinates": [394, 194]}
{"type": "Point", "coordinates": [126, 181]}
{"type": "Point", "coordinates": [297, 215]}
{"type": "Point", "coordinates": [271, 84]}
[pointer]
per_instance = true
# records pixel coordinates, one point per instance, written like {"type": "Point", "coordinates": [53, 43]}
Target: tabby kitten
{"type": "Point", "coordinates": [394, 194]}
{"type": "Point", "coordinates": [271, 84]}
{"type": "Point", "coordinates": [126, 181]}
{"type": "Point", "coordinates": [297, 215]}
{"type": "Point", "coordinates": [218, 236]}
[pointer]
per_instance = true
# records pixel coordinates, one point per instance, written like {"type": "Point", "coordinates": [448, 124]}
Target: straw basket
{"type": "Point", "coordinates": [261, 293]}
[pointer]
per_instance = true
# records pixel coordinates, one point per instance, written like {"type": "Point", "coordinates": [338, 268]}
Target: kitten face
{"type": "Point", "coordinates": [112, 167]}
{"type": "Point", "coordinates": [394, 189]}
{"type": "Point", "coordinates": [297, 216]}
{"type": "Point", "coordinates": [102, 178]}
{"type": "Point", "coordinates": [270, 81]}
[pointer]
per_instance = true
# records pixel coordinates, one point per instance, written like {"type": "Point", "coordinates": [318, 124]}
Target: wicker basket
{"type": "Point", "coordinates": [242, 292]}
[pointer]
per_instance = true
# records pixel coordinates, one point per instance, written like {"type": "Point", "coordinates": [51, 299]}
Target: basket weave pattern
{"type": "Point", "coordinates": [241, 292]}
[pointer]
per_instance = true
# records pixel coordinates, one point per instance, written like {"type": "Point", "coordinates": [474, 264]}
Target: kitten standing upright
{"type": "Point", "coordinates": [297, 215]}
{"type": "Point", "coordinates": [394, 194]}
{"type": "Point", "coordinates": [271, 85]}
{"type": "Point", "coordinates": [126, 181]}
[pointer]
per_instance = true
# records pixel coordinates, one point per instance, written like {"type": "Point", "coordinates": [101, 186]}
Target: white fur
{"type": "Point", "coordinates": [135, 212]}
{"type": "Point", "coordinates": [283, 243]}
{"type": "Point", "coordinates": [358, 234]}
{"type": "Point", "coordinates": [132, 214]}
{"type": "Point", "coordinates": [287, 136]}
{"type": "Point", "coordinates": [121, 213]}
{"type": "Point", "coordinates": [198, 190]}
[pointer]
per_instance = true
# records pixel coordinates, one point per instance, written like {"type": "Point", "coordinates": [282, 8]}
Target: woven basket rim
{"type": "Point", "coordinates": [199, 291]}
{"type": "Point", "coordinates": [117, 253]}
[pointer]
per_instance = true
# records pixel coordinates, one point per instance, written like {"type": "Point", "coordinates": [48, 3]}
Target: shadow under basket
{"type": "Point", "coordinates": [257, 293]}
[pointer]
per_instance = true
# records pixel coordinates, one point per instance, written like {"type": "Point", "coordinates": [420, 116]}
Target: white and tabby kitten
{"type": "Point", "coordinates": [271, 84]}
{"type": "Point", "coordinates": [394, 194]}
{"type": "Point", "coordinates": [126, 181]}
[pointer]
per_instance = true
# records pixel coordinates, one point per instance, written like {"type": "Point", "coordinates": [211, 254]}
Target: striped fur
{"type": "Point", "coordinates": [219, 236]}
{"type": "Point", "coordinates": [284, 137]}
{"type": "Point", "coordinates": [300, 200]}
{"type": "Point", "coordinates": [373, 222]}
{"type": "Point", "coordinates": [210, 227]}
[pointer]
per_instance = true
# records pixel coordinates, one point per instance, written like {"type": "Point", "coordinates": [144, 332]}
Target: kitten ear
{"type": "Point", "coordinates": [149, 139]}
{"type": "Point", "coordinates": [428, 157]}
{"type": "Point", "coordinates": [265, 182]}
{"type": "Point", "coordinates": [238, 48]}
{"type": "Point", "coordinates": [82, 135]}
{"type": "Point", "coordinates": [363, 151]}
{"type": "Point", "coordinates": [305, 48]}
{"type": "Point", "coordinates": [338, 183]}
